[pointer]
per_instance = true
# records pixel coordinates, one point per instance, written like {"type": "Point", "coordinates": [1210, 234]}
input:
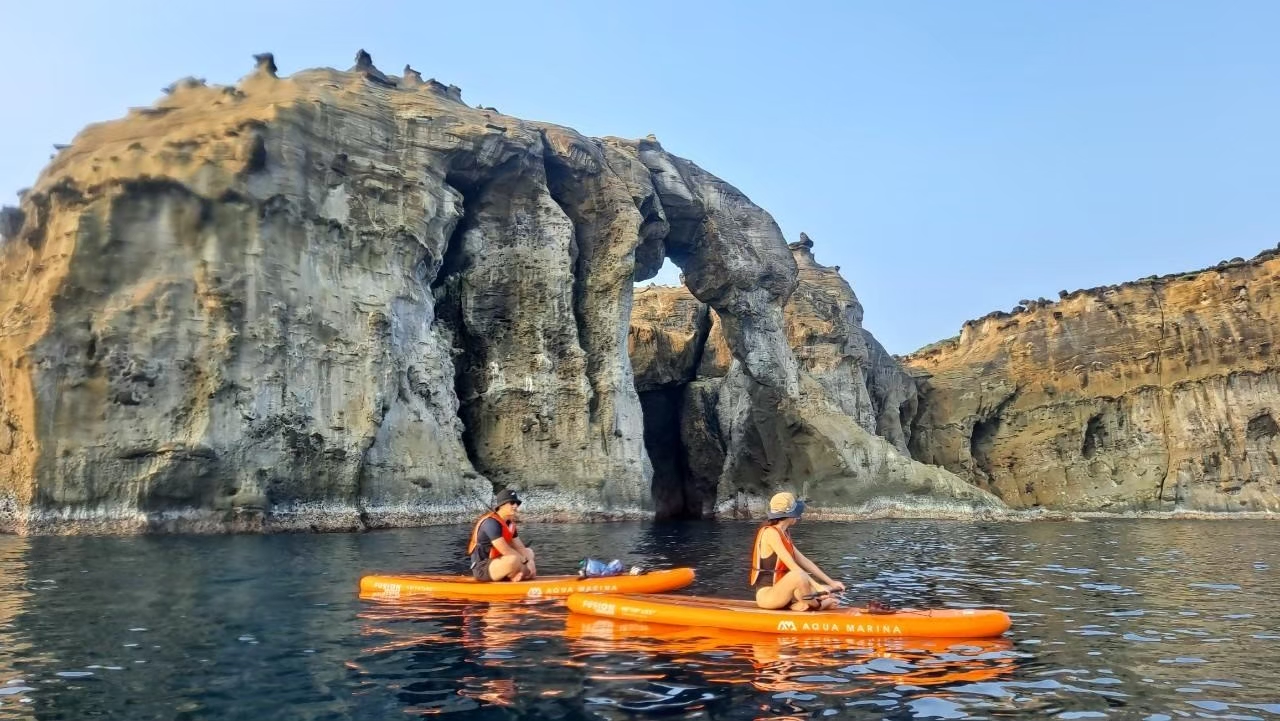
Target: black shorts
{"type": "Point", "coordinates": [481, 570]}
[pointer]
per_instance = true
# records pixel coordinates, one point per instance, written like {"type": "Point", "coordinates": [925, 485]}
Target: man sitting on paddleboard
{"type": "Point", "coordinates": [496, 553]}
{"type": "Point", "coordinates": [779, 571]}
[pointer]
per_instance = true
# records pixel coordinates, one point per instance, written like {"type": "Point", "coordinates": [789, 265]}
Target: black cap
{"type": "Point", "coordinates": [505, 496]}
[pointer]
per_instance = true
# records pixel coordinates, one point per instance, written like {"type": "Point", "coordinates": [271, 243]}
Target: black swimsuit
{"type": "Point", "coordinates": [767, 570]}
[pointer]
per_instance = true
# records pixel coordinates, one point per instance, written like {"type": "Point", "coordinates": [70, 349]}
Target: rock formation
{"type": "Point", "coordinates": [1160, 394]}
{"type": "Point", "coordinates": [702, 428]}
{"type": "Point", "coordinates": [824, 328]}
{"type": "Point", "coordinates": [339, 300]}
{"type": "Point", "coordinates": [265, 63]}
{"type": "Point", "coordinates": [668, 343]}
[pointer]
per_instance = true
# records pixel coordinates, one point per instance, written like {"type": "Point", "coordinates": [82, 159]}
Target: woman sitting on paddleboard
{"type": "Point", "coordinates": [780, 573]}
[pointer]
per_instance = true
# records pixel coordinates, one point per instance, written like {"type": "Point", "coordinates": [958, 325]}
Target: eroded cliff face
{"type": "Point", "coordinates": [347, 299]}
{"type": "Point", "coordinates": [1160, 394]}
{"type": "Point", "coordinates": [712, 454]}
{"type": "Point", "coordinates": [824, 328]}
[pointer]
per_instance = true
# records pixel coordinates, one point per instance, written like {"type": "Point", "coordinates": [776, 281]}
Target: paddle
{"type": "Point", "coordinates": [874, 606]}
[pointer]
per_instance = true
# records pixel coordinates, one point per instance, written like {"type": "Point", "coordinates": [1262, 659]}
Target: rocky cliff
{"type": "Point", "coordinates": [851, 426]}
{"type": "Point", "coordinates": [348, 299]}
{"type": "Point", "coordinates": [1160, 394]}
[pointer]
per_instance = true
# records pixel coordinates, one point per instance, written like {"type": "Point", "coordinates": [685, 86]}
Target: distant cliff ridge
{"type": "Point", "coordinates": [1161, 394]}
{"type": "Point", "coordinates": [348, 300]}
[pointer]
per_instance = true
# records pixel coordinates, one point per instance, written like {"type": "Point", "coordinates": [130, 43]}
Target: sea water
{"type": "Point", "coordinates": [1124, 619]}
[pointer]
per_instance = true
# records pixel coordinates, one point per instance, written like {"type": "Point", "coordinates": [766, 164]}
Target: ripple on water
{"type": "Point", "coordinates": [935, 707]}
{"type": "Point", "coordinates": [329, 655]}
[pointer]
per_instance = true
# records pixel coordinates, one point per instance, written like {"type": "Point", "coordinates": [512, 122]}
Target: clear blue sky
{"type": "Point", "coordinates": [951, 157]}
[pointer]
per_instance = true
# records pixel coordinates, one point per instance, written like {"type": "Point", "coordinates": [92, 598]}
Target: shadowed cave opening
{"type": "Point", "coordinates": [1262, 427]}
{"type": "Point", "coordinates": [1095, 436]}
{"type": "Point", "coordinates": [677, 491]}
{"type": "Point", "coordinates": [446, 291]}
{"type": "Point", "coordinates": [672, 489]}
{"type": "Point", "coordinates": [982, 440]}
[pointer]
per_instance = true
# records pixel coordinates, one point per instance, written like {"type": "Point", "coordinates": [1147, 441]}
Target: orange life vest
{"type": "Point", "coordinates": [508, 534]}
{"type": "Point", "coordinates": [779, 568]}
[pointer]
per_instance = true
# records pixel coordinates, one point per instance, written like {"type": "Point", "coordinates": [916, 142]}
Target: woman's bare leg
{"type": "Point", "coordinates": [788, 591]}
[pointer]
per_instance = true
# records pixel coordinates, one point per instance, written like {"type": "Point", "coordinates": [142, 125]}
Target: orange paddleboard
{"type": "Point", "coordinates": [466, 587]}
{"type": "Point", "coordinates": [746, 616]}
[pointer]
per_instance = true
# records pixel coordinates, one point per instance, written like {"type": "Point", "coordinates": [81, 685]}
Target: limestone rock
{"type": "Point", "coordinates": [625, 163]}
{"type": "Point", "coordinates": [702, 440]}
{"type": "Point", "coordinates": [265, 63]}
{"type": "Point", "coordinates": [852, 469]}
{"type": "Point", "coordinates": [329, 301]}
{"type": "Point", "coordinates": [227, 317]}
{"type": "Point", "coordinates": [537, 290]}
{"type": "Point", "coordinates": [667, 336]}
{"type": "Point", "coordinates": [722, 441]}
{"type": "Point", "coordinates": [716, 355]}
{"type": "Point", "coordinates": [211, 327]}
{"type": "Point", "coordinates": [11, 220]}
{"type": "Point", "coordinates": [1159, 394]}
{"type": "Point", "coordinates": [364, 65]}
{"type": "Point", "coordinates": [894, 394]}
{"type": "Point", "coordinates": [824, 328]}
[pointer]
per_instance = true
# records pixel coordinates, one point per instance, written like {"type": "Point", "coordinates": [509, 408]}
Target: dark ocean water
{"type": "Point", "coordinates": [1132, 619]}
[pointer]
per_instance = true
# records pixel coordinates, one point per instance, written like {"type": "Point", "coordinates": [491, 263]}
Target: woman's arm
{"type": "Point", "coordinates": [812, 568]}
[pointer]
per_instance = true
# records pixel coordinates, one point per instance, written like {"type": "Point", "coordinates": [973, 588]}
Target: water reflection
{"type": "Point", "coordinates": [806, 664]}
{"type": "Point", "coordinates": [15, 589]}
{"type": "Point", "coordinates": [451, 656]}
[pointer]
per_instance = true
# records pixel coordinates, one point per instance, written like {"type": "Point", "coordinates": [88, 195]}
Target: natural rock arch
{"type": "Point", "coordinates": [358, 301]}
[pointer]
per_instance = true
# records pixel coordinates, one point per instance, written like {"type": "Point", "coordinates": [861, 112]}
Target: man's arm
{"type": "Point", "coordinates": [507, 549]}
{"type": "Point", "coordinates": [491, 530]}
{"type": "Point", "coordinates": [521, 551]}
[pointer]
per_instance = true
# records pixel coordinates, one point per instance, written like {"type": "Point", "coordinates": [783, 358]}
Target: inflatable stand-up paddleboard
{"type": "Point", "coordinates": [467, 588]}
{"type": "Point", "coordinates": [698, 639]}
{"type": "Point", "coordinates": [746, 616]}
{"type": "Point", "coordinates": [924, 661]}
